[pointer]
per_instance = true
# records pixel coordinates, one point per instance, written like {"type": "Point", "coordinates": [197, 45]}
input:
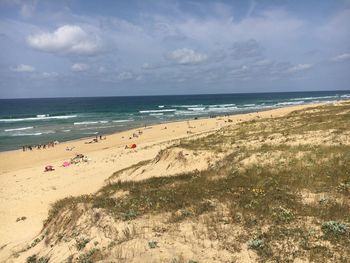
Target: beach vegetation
{"type": "Point", "coordinates": [43, 260]}
{"type": "Point", "coordinates": [81, 243]}
{"type": "Point", "coordinates": [152, 244]}
{"type": "Point", "coordinates": [129, 215]}
{"type": "Point", "coordinates": [256, 243]}
{"type": "Point", "coordinates": [334, 228]}
{"type": "Point", "coordinates": [90, 256]}
{"type": "Point", "coordinates": [34, 259]}
{"type": "Point", "coordinates": [264, 185]}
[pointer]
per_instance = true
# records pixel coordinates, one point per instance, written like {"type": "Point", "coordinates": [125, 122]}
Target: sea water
{"type": "Point", "coordinates": [36, 121]}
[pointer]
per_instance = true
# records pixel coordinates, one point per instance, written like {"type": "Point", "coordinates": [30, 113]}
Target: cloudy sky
{"type": "Point", "coordinates": [146, 47]}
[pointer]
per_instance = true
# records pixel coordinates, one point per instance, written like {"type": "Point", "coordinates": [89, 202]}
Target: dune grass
{"type": "Point", "coordinates": [264, 192]}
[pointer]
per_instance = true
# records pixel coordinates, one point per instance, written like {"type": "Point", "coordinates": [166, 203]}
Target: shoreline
{"type": "Point", "coordinates": [28, 191]}
{"type": "Point", "coordinates": [5, 155]}
{"type": "Point", "coordinates": [174, 121]}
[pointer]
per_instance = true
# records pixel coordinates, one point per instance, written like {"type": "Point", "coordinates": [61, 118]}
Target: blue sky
{"type": "Point", "coordinates": [117, 48]}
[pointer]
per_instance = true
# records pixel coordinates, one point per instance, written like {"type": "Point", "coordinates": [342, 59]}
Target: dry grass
{"type": "Point", "coordinates": [263, 197]}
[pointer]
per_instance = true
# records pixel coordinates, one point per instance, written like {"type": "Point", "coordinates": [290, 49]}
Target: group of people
{"type": "Point", "coordinates": [39, 146]}
{"type": "Point", "coordinates": [134, 135]}
{"type": "Point", "coordinates": [98, 137]}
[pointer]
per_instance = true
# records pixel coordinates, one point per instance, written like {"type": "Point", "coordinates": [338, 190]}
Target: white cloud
{"type": "Point", "coordinates": [66, 39]}
{"type": "Point", "coordinates": [79, 67]}
{"type": "Point", "coordinates": [23, 68]}
{"type": "Point", "coordinates": [299, 67]}
{"type": "Point", "coordinates": [187, 56]}
{"type": "Point", "coordinates": [342, 57]}
{"type": "Point", "coordinates": [125, 75]}
{"type": "Point", "coordinates": [49, 74]}
{"type": "Point", "coordinates": [146, 66]}
{"type": "Point", "coordinates": [44, 75]}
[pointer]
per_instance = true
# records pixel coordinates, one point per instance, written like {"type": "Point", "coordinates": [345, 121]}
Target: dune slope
{"type": "Point", "coordinates": [267, 189]}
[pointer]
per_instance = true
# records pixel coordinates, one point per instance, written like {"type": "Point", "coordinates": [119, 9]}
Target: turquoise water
{"type": "Point", "coordinates": [35, 121]}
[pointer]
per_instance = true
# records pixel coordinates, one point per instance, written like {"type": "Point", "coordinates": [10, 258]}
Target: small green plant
{"type": "Point", "coordinates": [256, 244]}
{"type": "Point", "coordinates": [35, 242]}
{"type": "Point", "coordinates": [43, 260]}
{"type": "Point", "coordinates": [324, 201]}
{"type": "Point", "coordinates": [130, 215]}
{"type": "Point", "coordinates": [344, 187]}
{"type": "Point", "coordinates": [112, 244]}
{"type": "Point", "coordinates": [334, 228]}
{"type": "Point", "coordinates": [32, 259]}
{"type": "Point", "coordinates": [59, 236]}
{"type": "Point", "coordinates": [282, 215]}
{"type": "Point", "coordinates": [152, 244]}
{"type": "Point", "coordinates": [81, 243]}
{"type": "Point", "coordinates": [87, 257]}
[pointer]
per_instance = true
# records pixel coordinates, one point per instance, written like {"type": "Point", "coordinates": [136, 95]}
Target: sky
{"type": "Point", "coordinates": [73, 48]}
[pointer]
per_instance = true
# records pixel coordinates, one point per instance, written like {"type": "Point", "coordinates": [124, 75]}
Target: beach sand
{"type": "Point", "coordinates": [27, 191]}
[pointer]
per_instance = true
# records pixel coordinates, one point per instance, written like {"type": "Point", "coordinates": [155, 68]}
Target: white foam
{"type": "Point", "coordinates": [187, 106]}
{"type": "Point", "coordinates": [188, 113]}
{"type": "Point", "coordinates": [48, 132]}
{"type": "Point", "coordinates": [123, 120]}
{"type": "Point", "coordinates": [196, 109]}
{"type": "Point", "coordinates": [222, 109]}
{"type": "Point", "coordinates": [222, 105]}
{"type": "Point", "coordinates": [85, 122]}
{"type": "Point", "coordinates": [38, 117]}
{"type": "Point", "coordinates": [19, 129]}
{"type": "Point", "coordinates": [291, 102]}
{"type": "Point", "coordinates": [155, 111]}
{"type": "Point", "coordinates": [161, 106]}
{"type": "Point", "coordinates": [27, 134]}
{"type": "Point", "coordinates": [312, 98]}
{"type": "Point", "coordinates": [105, 127]}
{"type": "Point", "coordinates": [156, 114]}
{"type": "Point", "coordinates": [89, 122]}
{"type": "Point", "coordinates": [249, 105]}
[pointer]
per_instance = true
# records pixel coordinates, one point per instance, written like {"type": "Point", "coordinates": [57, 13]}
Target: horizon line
{"type": "Point", "coordinates": [164, 95]}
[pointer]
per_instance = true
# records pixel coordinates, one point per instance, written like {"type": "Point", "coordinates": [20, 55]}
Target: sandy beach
{"type": "Point", "coordinates": [27, 191]}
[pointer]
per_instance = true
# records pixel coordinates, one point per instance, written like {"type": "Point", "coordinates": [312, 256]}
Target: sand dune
{"type": "Point", "coordinates": [27, 191]}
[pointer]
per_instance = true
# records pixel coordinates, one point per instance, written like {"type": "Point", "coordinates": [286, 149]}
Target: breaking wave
{"type": "Point", "coordinates": [39, 117]}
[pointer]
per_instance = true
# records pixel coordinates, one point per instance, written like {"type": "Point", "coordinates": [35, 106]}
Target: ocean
{"type": "Point", "coordinates": [36, 121]}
